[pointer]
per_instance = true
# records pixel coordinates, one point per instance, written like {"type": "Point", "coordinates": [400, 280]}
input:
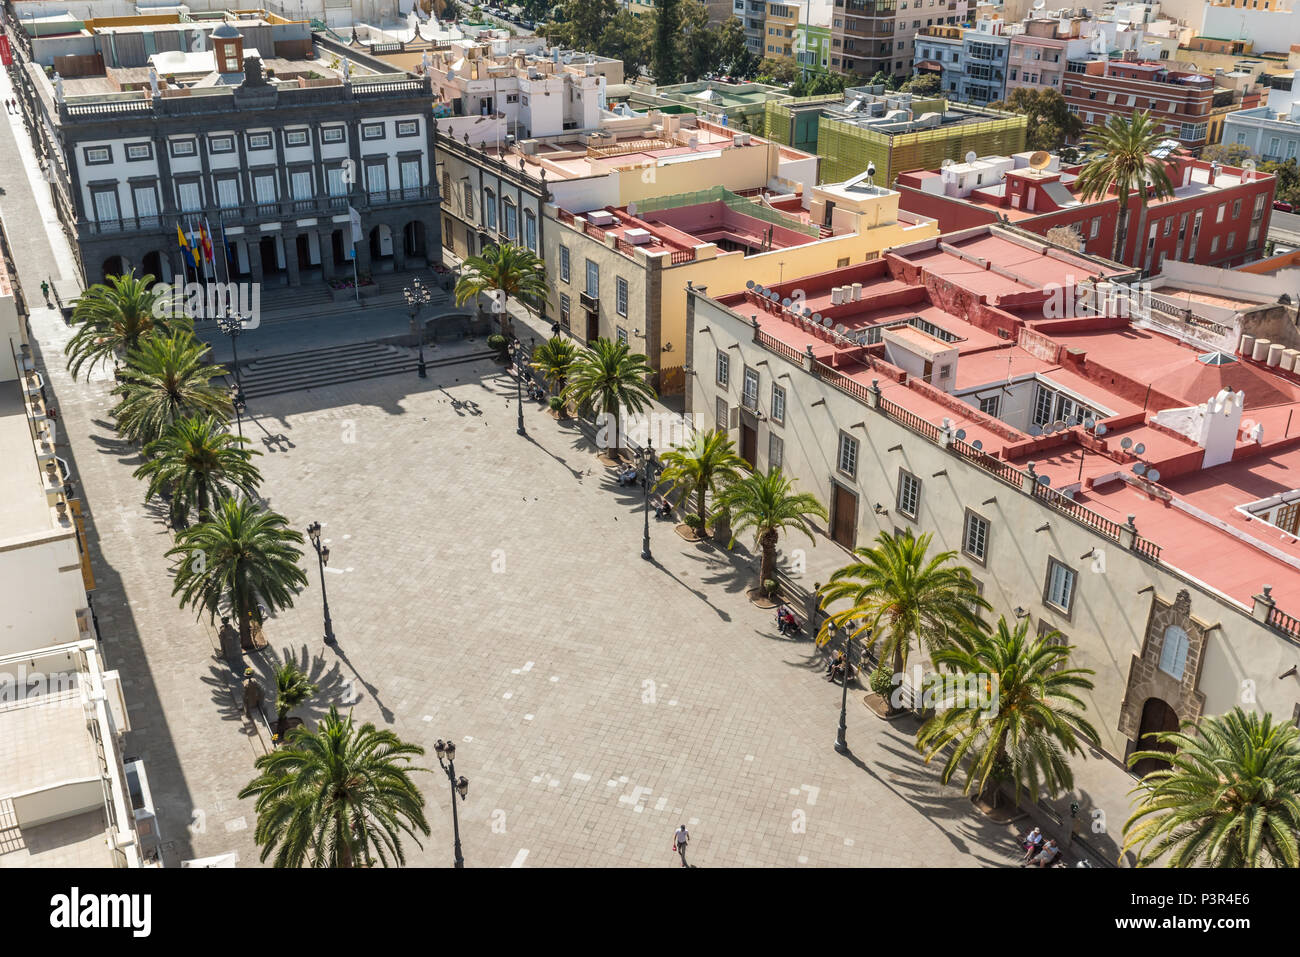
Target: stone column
{"type": "Point", "coordinates": [291, 264]}
{"type": "Point", "coordinates": [326, 254]}
{"type": "Point", "coordinates": [253, 244]}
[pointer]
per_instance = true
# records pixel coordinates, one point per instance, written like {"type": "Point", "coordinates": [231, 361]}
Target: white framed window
{"type": "Point", "coordinates": [909, 494]}
{"type": "Point", "coordinates": [1173, 651]}
{"type": "Point", "coordinates": [408, 128]}
{"type": "Point", "coordinates": [1059, 592]}
{"type": "Point", "coordinates": [846, 460]}
{"type": "Point", "coordinates": [530, 230]}
{"type": "Point", "coordinates": [221, 144]}
{"type": "Point", "coordinates": [512, 220]}
{"type": "Point", "coordinates": [620, 334]}
{"type": "Point", "coordinates": [775, 451]}
{"type": "Point", "coordinates": [723, 368]}
{"type": "Point", "coordinates": [259, 141]}
{"type": "Point", "coordinates": [593, 279]}
{"type": "Point", "coordinates": [138, 151]}
{"type": "Point", "coordinates": [489, 209]}
{"type": "Point", "coordinates": [372, 131]}
{"type": "Point", "coordinates": [295, 137]}
{"type": "Point", "coordinates": [189, 197]}
{"type": "Point", "coordinates": [332, 134]}
{"type": "Point", "coordinates": [620, 296]}
{"type": "Point", "coordinates": [778, 403]}
{"type": "Point", "coordinates": [975, 536]}
{"type": "Point", "coordinates": [721, 412]}
{"type": "Point", "coordinates": [991, 405]}
{"type": "Point", "coordinates": [182, 147]}
{"type": "Point", "coordinates": [749, 389]}
{"type": "Point", "coordinates": [565, 308]}
{"type": "Point", "coordinates": [564, 263]}
{"type": "Point", "coordinates": [97, 155]}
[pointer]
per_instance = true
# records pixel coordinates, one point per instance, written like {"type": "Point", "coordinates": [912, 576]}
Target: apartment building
{"type": "Point", "coordinates": [1179, 102]}
{"type": "Point", "coordinates": [938, 52]}
{"type": "Point", "coordinates": [1039, 51]}
{"type": "Point", "coordinates": [873, 36]}
{"type": "Point", "coordinates": [985, 54]}
{"type": "Point", "coordinates": [942, 392]}
{"type": "Point", "coordinates": [264, 147]}
{"type": "Point", "coordinates": [1218, 215]}
{"type": "Point", "coordinates": [895, 131]}
{"type": "Point", "coordinates": [632, 221]}
{"type": "Point", "coordinates": [1269, 134]}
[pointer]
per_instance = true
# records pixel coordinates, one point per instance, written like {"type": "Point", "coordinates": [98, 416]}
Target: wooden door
{"type": "Point", "coordinates": [749, 445]}
{"type": "Point", "coordinates": [1157, 716]}
{"type": "Point", "coordinates": [844, 516]}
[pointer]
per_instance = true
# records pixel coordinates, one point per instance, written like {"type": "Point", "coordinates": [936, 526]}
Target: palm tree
{"type": "Point", "coordinates": [504, 270]}
{"type": "Point", "coordinates": [768, 503]}
{"type": "Point", "coordinates": [896, 593]}
{"type": "Point", "coordinates": [166, 379]}
{"type": "Point", "coordinates": [115, 317]}
{"type": "Point", "coordinates": [337, 796]}
{"type": "Point", "coordinates": [554, 359]}
{"type": "Point", "coordinates": [708, 464]}
{"type": "Point", "coordinates": [197, 461]}
{"type": "Point", "coordinates": [1009, 709]}
{"type": "Point", "coordinates": [1230, 798]}
{"type": "Point", "coordinates": [609, 379]}
{"type": "Point", "coordinates": [243, 556]}
{"type": "Point", "coordinates": [292, 688]}
{"type": "Point", "coordinates": [1127, 164]}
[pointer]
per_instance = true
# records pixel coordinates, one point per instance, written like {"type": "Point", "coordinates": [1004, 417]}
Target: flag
{"type": "Point", "coordinates": [355, 219]}
{"type": "Point", "coordinates": [180, 238]}
{"type": "Point", "coordinates": [205, 239]}
{"type": "Point", "coordinates": [194, 248]}
{"type": "Point", "coordinates": [6, 52]}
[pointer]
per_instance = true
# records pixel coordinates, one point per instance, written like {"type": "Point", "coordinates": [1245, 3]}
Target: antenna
{"type": "Point", "coordinates": [1035, 430]}
{"type": "Point", "coordinates": [977, 445]}
{"type": "Point", "coordinates": [961, 435]}
{"type": "Point", "coordinates": [1126, 443]}
{"type": "Point", "coordinates": [1139, 468]}
{"type": "Point", "coordinates": [1040, 160]}
{"type": "Point", "coordinates": [1153, 475]}
{"type": "Point", "coordinates": [972, 156]}
{"type": "Point", "coordinates": [1044, 480]}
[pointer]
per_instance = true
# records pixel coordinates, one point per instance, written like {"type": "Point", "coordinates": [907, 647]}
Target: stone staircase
{"type": "Point", "coordinates": [296, 371]}
{"type": "Point", "coordinates": [287, 303]}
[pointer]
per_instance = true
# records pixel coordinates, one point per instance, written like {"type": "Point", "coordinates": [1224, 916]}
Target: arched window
{"type": "Point", "coordinates": [489, 209]}
{"type": "Point", "coordinates": [1173, 651]}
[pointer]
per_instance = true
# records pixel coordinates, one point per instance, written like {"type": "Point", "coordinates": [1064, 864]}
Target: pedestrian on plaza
{"type": "Point", "coordinates": [9, 106]}
{"type": "Point", "coordinates": [1049, 854]}
{"type": "Point", "coordinates": [1033, 843]}
{"type": "Point", "coordinates": [45, 291]}
{"type": "Point", "coordinates": [681, 837]}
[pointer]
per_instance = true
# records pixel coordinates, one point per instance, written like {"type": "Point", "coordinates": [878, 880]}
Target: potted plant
{"type": "Point", "coordinates": [694, 526]}
{"type": "Point", "coordinates": [769, 587]}
{"type": "Point", "coordinates": [497, 343]}
{"type": "Point", "coordinates": [557, 407]}
{"type": "Point", "coordinates": [881, 683]}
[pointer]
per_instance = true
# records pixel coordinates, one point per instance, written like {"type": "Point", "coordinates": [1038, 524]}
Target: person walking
{"type": "Point", "coordinates": [681, 837]}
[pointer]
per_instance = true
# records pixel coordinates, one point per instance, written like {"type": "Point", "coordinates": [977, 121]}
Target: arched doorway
{"type": "Point", "coordinates": [381, 245]}
{"type": "Point", "coordinates": [413, 240]}
{"type": "Point", "coordinates": [1157, 716]}
{"type": "Point", "coordinates": [152, 265]}
{"type": "Point", "coordinates": [114, 266]}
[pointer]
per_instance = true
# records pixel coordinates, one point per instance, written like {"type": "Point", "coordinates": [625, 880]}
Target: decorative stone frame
{"type": "Point", "coordinates": [1146, 680]}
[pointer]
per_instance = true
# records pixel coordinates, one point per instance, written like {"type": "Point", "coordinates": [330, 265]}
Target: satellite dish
{"type": "Point", "coordinates": [1153, 475]}
{"type": "Point", "coordinates": [1040, 159]}
{"type": "Point", "coordinates": [839, 329]}
{"type": "Point", "coordinates": [785, 303]}
{"type": "Point", "coordinates": [1044, 480]}
{"type": "Point", "coordinates": [1039, 4]}
{"type": "Point", "coordinates": [757, 287]}
{"type": "Point", "coordinates": [817, 318]}
{"type": "Point", "coordinates": [1126, 443]}
{"type": "Point", "coordinates": [1072, 421]}
{"type": "Point", "coordinates": [961, 435]}
{"type": "Point", "coordinates": [1248, 165]}
{"type": "Point", "coordinates": [1139, 468]}
{"type": "Point", "coordinates": [1067, 493]}
{"type": "Point", "coordinates": [1058, 425]}
{"type": "Point", "coordinates": [1101, 429]}
{"type": "Point", "coordinates": [972, 156]}
{"type": "Point", "coordinates": [827, 322]}
{"type": "Point", "coordinates": [945, 164]}
{"type": "Point", "coordinates": [1089, 422]}
{"type": "Point", "coordinates": [1035, 430]}
{"type": "Point", "coordinates": [749, 284]}
{"type": "Point", "coordinates": [977, 445]}
{"type": "Point", "coordinates": [806, 312]}
{"type": "Point", "coordinates": [1139, 449]}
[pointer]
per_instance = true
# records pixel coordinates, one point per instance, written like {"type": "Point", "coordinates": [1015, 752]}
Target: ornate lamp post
{"type": "Point", "coordinates": [841, 739]}
{"type": "Point", "coordinates": [459, 786]}
{"type": "Point", "coordinates": [649, 475]}
{"type": "Point", "coordinates": [417, 294]}
{"type": "Point", "coordinates": [232, 325]}
{"type": "Point", "coordinates": [516, 349]}
{"type": "Point", "coordinates": [239, 405]}
{"type": "Point", "coordinates": [323, 559]}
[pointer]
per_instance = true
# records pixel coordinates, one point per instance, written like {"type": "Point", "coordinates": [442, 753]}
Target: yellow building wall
{"type": "Point", "coordinates": [729, 271]}
{"type": "Point", "coordinates": [740, 168]}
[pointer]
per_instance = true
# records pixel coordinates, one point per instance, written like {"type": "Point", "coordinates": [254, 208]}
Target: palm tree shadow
{"type": "Point", "coordinates": [576, 473]}
{"type": "Point", "coordinates": [731, 570]}
{"type": "Point", "coordinates": [702, 596]}
{"type": "Point", "coordinates": [326, 676]}
{"type": "Point", "coordinates": [346, 684]}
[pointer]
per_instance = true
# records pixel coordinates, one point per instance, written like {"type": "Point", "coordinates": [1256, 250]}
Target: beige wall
{"type": "Point", "coordinates": [1109, 616]}
{"type": "Point", "coordinates": [41, 591]}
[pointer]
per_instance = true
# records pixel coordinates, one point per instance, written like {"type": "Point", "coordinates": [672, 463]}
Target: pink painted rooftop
{"type": "Point", "coordinates": [984, 291]}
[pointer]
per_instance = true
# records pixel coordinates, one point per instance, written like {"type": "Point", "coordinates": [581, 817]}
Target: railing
{"type": "Point", "coordinates": [1146, 549]}
{"type": "Point", "coordinates": [772, 344]}
{"type": "Point", "coordinates": [1080, 513]}
{"type": "Point", "coordinates": [266, 209]}
{"type": "Point", "coordinates": [682, 256]}
{"type": "Point", "coordinates": [594, 231]}
{"type": "Point", "coordinates": [1003, 470]}
{"type": "Point", "coordinates": [910, 420]}
{"type": "Point", "coordinates": [1281, 621]}
{"type": "Point", "coordinates": [842, 382]}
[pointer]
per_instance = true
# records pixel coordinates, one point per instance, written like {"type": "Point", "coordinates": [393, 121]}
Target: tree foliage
{"type": "Point", "coordinates": [1051, 123]}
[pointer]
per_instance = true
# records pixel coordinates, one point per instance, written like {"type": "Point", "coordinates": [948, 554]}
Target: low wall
{"type": "Point", "coordinates": [58, 801]}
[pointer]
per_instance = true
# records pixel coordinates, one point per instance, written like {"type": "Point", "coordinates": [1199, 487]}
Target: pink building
{"type": "Point", "coordinates": [1038, 55]}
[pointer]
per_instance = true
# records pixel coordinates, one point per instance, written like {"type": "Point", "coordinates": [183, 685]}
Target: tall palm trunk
{"type": "Point", "coordinates": [699, 498]}
{"type": "Point", "coordinates": [611, 409]}
{"type": "Point", "coordinates": [239, 599]}
{"type": "Point", "coordinates": [768, 543]}
{"type": "Point", "coordinates": [894, 694]}
{"type": "Point", "coordinates": [203, 500]}
{"type": "Point", "coordinates": [1121, 229]}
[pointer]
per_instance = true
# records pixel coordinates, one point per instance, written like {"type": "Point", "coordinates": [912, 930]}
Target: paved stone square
{"type": "Point", "coordinates": [489, 588]}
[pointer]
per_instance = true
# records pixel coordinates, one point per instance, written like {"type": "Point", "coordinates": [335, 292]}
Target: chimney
{"type": "Point", "coordinates": [1220, 421]}
{"type": "Point", "coordinates": [1214, 172]}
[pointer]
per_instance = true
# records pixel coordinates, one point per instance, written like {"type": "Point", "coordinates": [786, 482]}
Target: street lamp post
{"type": "Point", "coordinates": [417, 294]}
{"type": "Point", "coordinates": [649, 475]}
{"type": "Point", "coordinates": [459, 786]}
{"type": "Point", "coordinates": [239, 405]}
{"type": "Point", "coordinates": [323, 559]}
{"type": "Point", "coordinates": [517, 357]}
{"type": "Point", "coordinates": [841, 739]}
{"type": "Point", "coordinates": [232, 325]}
